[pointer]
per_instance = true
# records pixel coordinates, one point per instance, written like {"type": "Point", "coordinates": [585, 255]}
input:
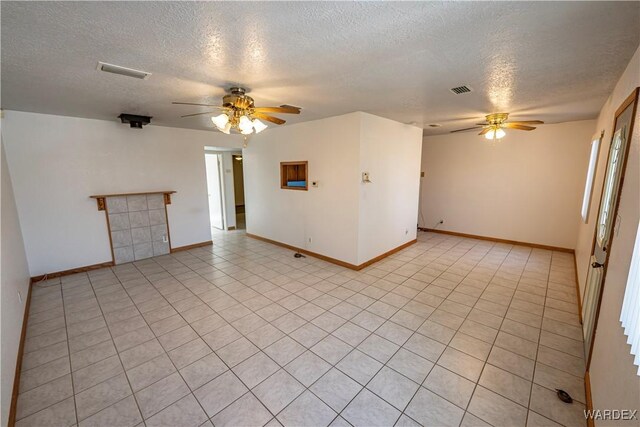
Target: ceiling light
{"type": "Point", "coordinates": [245, 125]}
{"type": "Point", "coordinates": [258, 125]}
{"type": "Point", "coordinates": [220, 121]}
{"type": "Point", "coordinates": [496, 133]}
{"type": "Point", "coordinates": [226, 129]}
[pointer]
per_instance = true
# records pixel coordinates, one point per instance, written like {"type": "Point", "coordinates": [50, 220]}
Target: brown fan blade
{"type": "Point", "coordinates": [517, 126]}
{"type": "Point", "coordinates": [268, 118]}
{"type": "Point", "coordinates": [199, 114]}
{"type": "Point", "coordinates": [484, 131]}
{"type": "Point", "coordinates": [200, 105]}
{"type": "Point", "coordinates": [527, 122]}
{"type": "Point", "coordinates": [466, 129]}
{"type": "Point", "coordinates": [285, 109]}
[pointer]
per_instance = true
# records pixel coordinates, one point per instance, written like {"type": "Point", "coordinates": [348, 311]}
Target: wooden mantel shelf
{"type": "Point", "coordinates": [100, 198]}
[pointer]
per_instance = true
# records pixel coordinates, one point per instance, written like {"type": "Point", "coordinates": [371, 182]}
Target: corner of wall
{"type": "Point", "coordinates": [14, 280]}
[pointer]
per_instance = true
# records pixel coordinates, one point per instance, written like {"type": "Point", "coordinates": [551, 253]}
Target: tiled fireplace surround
{"type": "Point", "coordinates": [138, 226]}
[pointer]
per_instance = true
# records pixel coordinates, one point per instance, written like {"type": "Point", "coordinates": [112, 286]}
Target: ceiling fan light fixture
{"type": "Point", "coordinates": [258, 125]}
{"type": "Point", "coordinates": [495, 133]}
{"type": "Point", "coordinates": [245, 125]}
{"type": "Point", "coordinates": [226, 129]}
{"type": "Point", "coordinates": [220, 121]}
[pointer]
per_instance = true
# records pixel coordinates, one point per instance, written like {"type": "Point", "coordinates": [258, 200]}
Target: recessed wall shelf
{"type": "Point", "coordinates": [294, 175]}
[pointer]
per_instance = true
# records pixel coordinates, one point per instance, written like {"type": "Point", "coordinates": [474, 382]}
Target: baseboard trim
{"type": "Point", "coordinates": [72, 271]}
{"type": "Point", "coordinates": [333, 260]}
{"type": "Point", "coordinates": [193, 246]}
{"type": "Point", "coordinates": [498, 240]}
{"type": "Point", "coordinates": [231, 228]}
{"type": "Point", "coordinates": [16, 378]}
{"type": "Point", "coordinates": [386, 254]}
{"type": "Point", "coordinates": [588, 398]}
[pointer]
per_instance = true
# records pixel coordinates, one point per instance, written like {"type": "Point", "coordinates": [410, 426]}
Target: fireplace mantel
{"type": "Point", "coordinates": [100, 198]}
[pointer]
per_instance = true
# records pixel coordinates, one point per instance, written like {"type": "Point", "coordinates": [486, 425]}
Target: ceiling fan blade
{"type": "Point", "coordinates": [199, 114]}
{"type": "Point", "coordinates": [484, 131]}
{"type": "Point", "coordinates": [268, 118]}
{"type": "Point", "coordinates": [528, 122]}
{"type": "Point", "coordinates": [199, 105]}
{"type": "Point", "coordinates": [466, 129]}
{"type": "Point", "coordinates": [285, 109]}
{"type": "Point", "coordinates": [517, 126]}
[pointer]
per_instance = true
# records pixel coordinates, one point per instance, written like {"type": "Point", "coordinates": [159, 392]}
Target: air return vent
{"type": "Point", "coordinates": [461, 89]}
{"type": "Point", "coordinates": [123, 71]}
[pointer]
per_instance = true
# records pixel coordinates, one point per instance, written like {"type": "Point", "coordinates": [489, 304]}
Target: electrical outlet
{"type": "Point", "coordinates": [165, 239]}
{"type": "Point", "coordinates": [19, 297]}
{"type": "Point", "coordinates": [441, 221]}
{"type": "Point", "coordinates": [310, 239]}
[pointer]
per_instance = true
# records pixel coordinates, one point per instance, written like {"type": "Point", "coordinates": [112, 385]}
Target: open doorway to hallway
{"type": "Point", "coordinates": [225, 186]}
{"type": "Point", "coordinates": [238, 189]}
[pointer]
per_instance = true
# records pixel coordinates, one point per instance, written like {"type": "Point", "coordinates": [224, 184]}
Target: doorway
{"type": "Point", "coordinates": [606, 224]}
{"type": "Point", "coordinates": [238, 190]}
{"type": "Point", "coordinates": [213, 163]}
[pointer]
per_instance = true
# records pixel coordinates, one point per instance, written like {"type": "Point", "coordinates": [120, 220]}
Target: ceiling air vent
{"type": "Point", "coordinates": [123, 71]}
{"type": "Point", "coordinates": [461, 89]}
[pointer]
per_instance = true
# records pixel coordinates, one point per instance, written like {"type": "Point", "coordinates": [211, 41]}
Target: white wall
{"type": "Point", "coordinates": [614, 383]}
{"type": "Point", "coordinates": [57, 162]}
{"type": "Point", "coordinates": [342, 218]}
{"type": "Point", "coordinates": [323, 220]}
{"type": "Point", "coordinates": [390, 152]}
{"type": "Point", "coordinates": [525, 187]}
{"type": "Point", "coordinates": [14, 278]}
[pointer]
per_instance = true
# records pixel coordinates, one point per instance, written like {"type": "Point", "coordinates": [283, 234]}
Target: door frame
{"type": "Point", "coordinates": [221, 184]}
{"type": "Point", "coordinates": [631, 99]}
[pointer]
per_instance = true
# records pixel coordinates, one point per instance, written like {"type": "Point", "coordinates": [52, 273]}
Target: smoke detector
{"type": "Point", "coordinates": [123, 71]}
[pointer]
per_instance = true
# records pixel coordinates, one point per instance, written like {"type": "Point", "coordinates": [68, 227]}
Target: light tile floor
{"type": "Point", "coordinates": [448, 332]}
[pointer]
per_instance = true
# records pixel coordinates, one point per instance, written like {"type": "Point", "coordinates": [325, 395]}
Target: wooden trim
{"type": "Point", "coordinates": [495, 239]}
{"type": "Point", "coordinates": [386, 254]}
{"type": "Point", "coordinates": [231, 228]}
{"type": "Point", "coordinates": [632, 98]}
{"type": "Point", "coordinates": [102, 196]}
{"type": "Point", "coordinates": [334, 260]}
{"type": "Point", "coordinates": [193, 246]}
{"type": "Point", "coordinates": [575, 272]}
{"type": "Point", "coordinates": [106, 214]}
{"type": "Point", "coordinates": [588, 398]}
{"type": "Point", "coordinates": [283, 177]}
{"type": "Point", "coordinates": [16, 377]}
{"type": "Point", "coordinates": [72, 271]}
{"type": "Point", "coordinates": [166, 219]}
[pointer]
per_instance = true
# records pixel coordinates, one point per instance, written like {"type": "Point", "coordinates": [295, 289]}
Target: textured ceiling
{"type": "Point", "coordinates": [554, 61]}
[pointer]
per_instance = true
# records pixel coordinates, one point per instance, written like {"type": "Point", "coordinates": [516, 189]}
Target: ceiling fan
{"type": "Point", "coordinates": [495, 123]}
{"type": "Point", "coordinates": [240, 113]}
